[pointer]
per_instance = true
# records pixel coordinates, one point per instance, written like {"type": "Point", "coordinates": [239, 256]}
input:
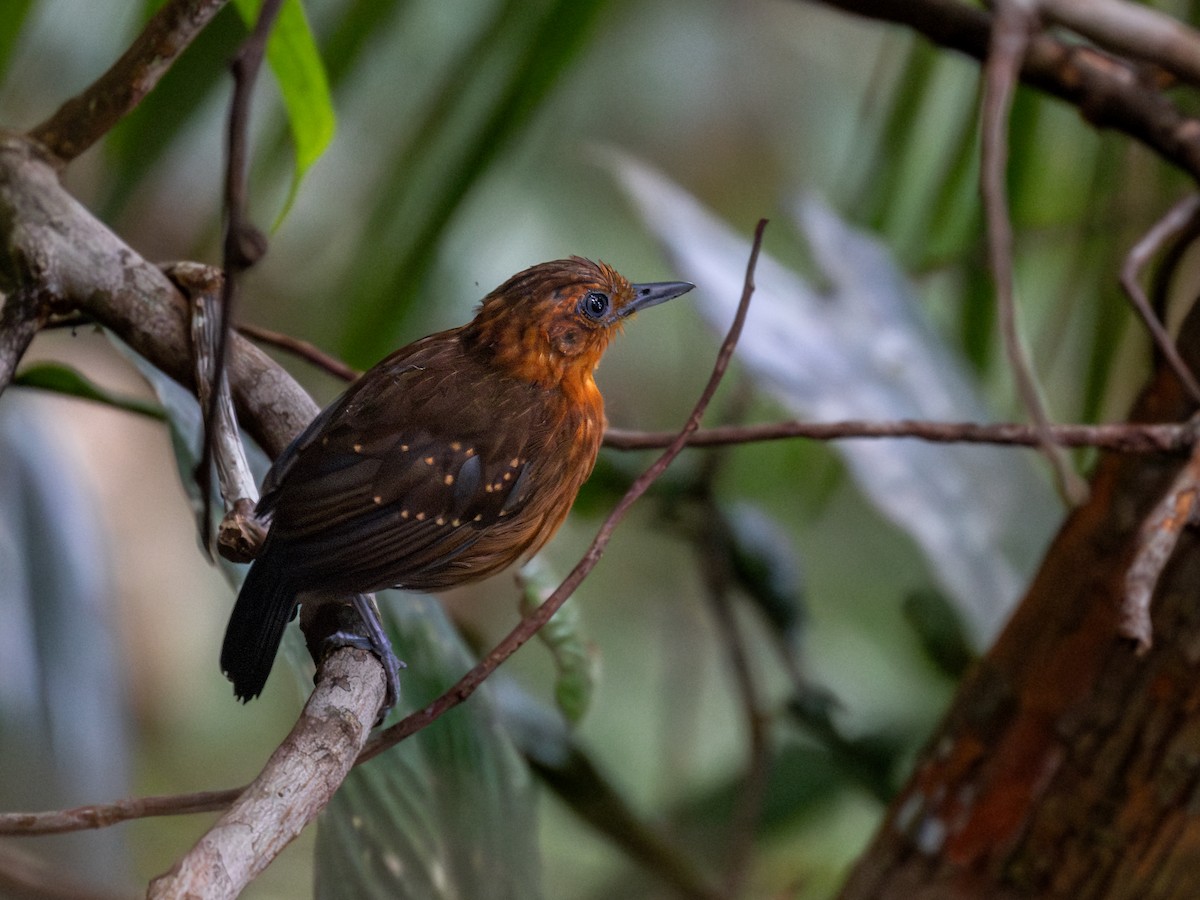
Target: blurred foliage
{"type": "Point", "coordinates": [465, 150]}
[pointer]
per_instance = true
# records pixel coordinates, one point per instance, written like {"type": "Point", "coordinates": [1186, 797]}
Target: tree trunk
{"type": "Point", "coordinates": [1068, 764]}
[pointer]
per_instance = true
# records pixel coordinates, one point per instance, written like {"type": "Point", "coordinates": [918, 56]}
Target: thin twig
{"type": "Point", "coordinates": [1132, 29]}
{"type": "Point", "coordinates": [84, 119]}
{"type": "Point", "coordinates": [1122, 438]}
{"type": "Point", "coordinates": [301, 348]}
{"type": "Point", "coordinates": [1179, 218]}
{"type": "Point", "coordinates": [102, 815]}
{"type": "Point", "coordinates": [244, 245]}
{"type": "Point", "coordinates": [1156, 541]}
{"type": "Point", "coordinates": [1012, 25]}
{"type": "Point", "coordinates": [529, 626]}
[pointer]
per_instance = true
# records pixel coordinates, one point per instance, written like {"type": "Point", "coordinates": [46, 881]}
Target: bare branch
{"type": "Point", "coordinates": [297, 782]}
{"type": "Point", "coordinates": [203, 285]}
{"type": "Point", "coordinates": [102, 815]}
{"type": "Point", "coordinates": [244, 245]}
{"type": "Point", "coordinates": [1108, 92]}
{"type": "Point", "coordinates": [84, 119]}
{"type": "Point", "coordinates": [1156, 541]}
{"type": "Point", "coordinates": [19, 321]}
{"type": "Point", "coordinates": [1179, 218]}
{"type": "Point", "coordinates": [1131, 29]}
{"type": "Point", "coordinates": [529, 626]}
{"type": "Point", "coordinates": [1011, 28]}
{"type": "Point", "coordinates": [303, 349]}
{"type": "Point", "coordinates": [1131, 438]}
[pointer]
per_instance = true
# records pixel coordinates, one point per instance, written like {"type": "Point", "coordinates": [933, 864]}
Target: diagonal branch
{"type": "Point", "coordinates": [1108, 92]}
{"type": "Point", "coordinates": [1012, 28]}
{"type": "Point", "coordinates": [86, 118]}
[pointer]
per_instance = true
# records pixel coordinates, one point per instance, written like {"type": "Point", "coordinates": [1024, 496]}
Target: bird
{"type": "Point", "coordinates": [446, 462]}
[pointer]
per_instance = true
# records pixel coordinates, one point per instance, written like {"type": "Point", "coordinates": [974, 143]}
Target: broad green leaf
{"type": "Point", "coordinates": [65, 380]}
{"type": "Point", "coordinates": [448, 813]}
{"type": "Point", "coordinates": [293, 56]}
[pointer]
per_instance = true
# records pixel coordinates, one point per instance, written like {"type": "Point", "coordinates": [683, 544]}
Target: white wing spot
{"type": "Point", "coordinates": [420, 517]}
{"type": "Point", "coordinates": [449, 479]}
{"type": "Point", "coordinates": [377, 499]}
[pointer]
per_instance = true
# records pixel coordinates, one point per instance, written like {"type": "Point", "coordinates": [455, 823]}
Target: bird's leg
{"type": "Point", "coordinates": [381, 646]}
{"type": "Point", "coordinates": [330, 626]}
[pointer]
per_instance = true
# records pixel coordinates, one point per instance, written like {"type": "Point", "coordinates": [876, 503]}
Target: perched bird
{"type": "Point", "coordinates": [441, 465]}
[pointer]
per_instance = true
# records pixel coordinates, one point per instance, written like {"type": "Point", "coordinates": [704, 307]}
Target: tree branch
{"type": "Point", "coordinates": [86, 118]}
{"type": "Point", "coordinates": [1123, 438]}
{"type": "Point", "coordinates": [297, 782]}
{"type": "Point", "coordinates": [1108, 92]}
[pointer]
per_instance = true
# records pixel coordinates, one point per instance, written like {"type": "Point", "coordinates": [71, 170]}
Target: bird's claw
{"type": "Point", "coordinates": [392, 664]}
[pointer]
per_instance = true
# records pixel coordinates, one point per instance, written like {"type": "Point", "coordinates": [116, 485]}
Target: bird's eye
{"type": "Point", "coordinates": [595, 304]}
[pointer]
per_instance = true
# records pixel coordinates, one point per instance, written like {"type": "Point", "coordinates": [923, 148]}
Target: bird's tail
{"type": "Point", "coordinates": [263, 608]}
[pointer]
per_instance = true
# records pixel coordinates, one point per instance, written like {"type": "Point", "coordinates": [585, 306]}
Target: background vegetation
{"type": "Point", "coordinates": [473, 139]}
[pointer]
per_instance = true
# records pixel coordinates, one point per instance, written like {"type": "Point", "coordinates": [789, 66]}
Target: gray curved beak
{"type": "Point", "coordinates": [647, 295]}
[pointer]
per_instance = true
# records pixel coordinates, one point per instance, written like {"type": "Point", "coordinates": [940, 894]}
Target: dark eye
{"type": "Point", "coordinates": [595, 304]}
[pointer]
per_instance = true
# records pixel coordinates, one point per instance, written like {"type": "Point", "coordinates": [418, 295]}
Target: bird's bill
{"type": "Point", "coordinates": [647, 295]}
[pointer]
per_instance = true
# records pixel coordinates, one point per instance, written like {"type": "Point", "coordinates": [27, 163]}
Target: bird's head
{"type": "Point", "coordinates": [554, 320]}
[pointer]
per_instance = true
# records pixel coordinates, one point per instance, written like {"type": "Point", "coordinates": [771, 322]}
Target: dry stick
{"type": "Point", "coordinates": [297, 782]}
{"type": "Point", "coordinates": [529, 625]}
{"type": "Point", "coordinates": [1011, 28]}
{"type": "Point", "coordinates": [244, 245]}
{"type": "Point", "coordinates": [1122, 438]}
{"type": "Point", "coordinates": [103, 815]}
{"type": "Point", "coordinates": [1178, 217]}
{"type": "Point", "coordinates": [202, 286]}
{"type": "Point", "coordinates": [309, 352]}
{"type": "Point", "coordinates": [1108, 92]}
{"type": "Point", "coordinates": [84, 119]}
{"type": "Point", "coordinates": [1132, 29]}
{"type": "Point", "coordinates": [1157, 538]}
{"type": "Point", "coordinates": [18, 325]}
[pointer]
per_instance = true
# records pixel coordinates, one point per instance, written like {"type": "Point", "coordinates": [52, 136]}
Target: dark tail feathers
{"type": "Point", "coordinates": [263, 608]}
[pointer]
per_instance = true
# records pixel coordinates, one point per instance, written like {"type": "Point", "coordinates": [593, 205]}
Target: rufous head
{"type": "Point", "coordinates": [556, 318]}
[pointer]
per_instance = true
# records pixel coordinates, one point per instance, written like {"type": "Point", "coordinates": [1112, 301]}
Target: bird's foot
{"type": "Point", "coordinates": [363, 631]}
{"type": "Point", "coordinates": [392, 664]}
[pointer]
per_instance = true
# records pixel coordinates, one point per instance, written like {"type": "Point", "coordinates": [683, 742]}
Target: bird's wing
{"type": "Point", "coordinates": [399, 476]}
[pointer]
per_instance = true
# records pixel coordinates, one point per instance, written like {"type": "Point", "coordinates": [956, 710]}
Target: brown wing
{"type": "Point", "coordinates": [396, 481]}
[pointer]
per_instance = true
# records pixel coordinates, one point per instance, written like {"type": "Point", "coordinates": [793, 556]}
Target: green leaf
{"type": "Point", "coordinates": [15, 12]}
{"type": "Point", "coordinates": [293, 56]}
{"type": "Point", "coordinates": [449, 813]}
{"type": "Point", "coordinates": [574, 655]}
{"type": "Point", "coordinates": [65, 380]}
